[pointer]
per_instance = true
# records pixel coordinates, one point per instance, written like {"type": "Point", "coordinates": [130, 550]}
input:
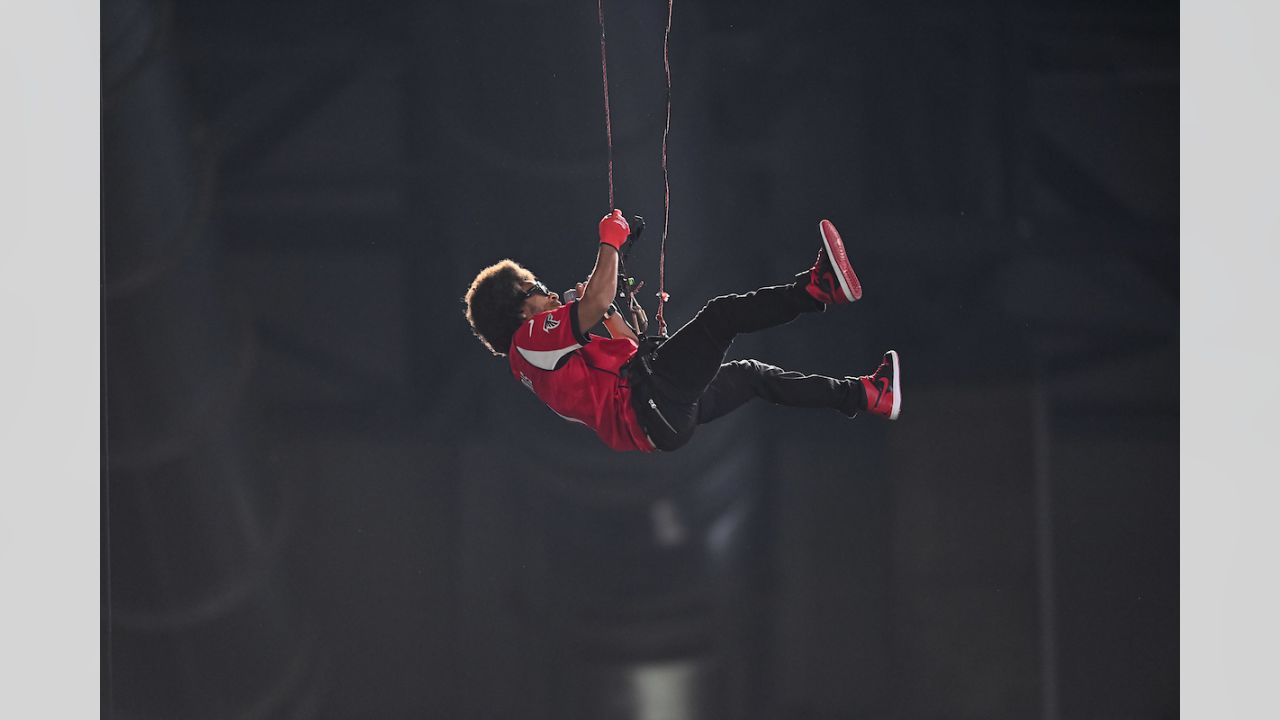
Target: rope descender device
{"type": "Point", "coordinates": [628, 285]}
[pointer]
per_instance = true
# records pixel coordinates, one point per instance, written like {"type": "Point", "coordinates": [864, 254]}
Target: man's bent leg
{"type": "Point", "coordinates": [741, 380]}
{"type": "Point", "coordinates": [690, 359]}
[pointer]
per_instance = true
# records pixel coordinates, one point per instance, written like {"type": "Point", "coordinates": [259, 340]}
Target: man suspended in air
{"type": "Point", "coordinates": [651, 394]}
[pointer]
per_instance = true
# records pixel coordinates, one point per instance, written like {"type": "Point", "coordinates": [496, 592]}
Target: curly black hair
{"type": "Point", "coordinates": [494, 302]}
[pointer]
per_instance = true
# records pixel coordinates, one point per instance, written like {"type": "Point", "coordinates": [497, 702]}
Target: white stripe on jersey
{"type": "Point", "coordinates": [546, 359]}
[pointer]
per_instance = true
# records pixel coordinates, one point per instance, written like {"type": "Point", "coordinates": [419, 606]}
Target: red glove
{"type": "Point", "coordinates": [614, 230]}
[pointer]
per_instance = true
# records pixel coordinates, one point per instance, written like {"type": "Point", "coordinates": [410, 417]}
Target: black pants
{"type": "Point", "coordinates": [684, 381]}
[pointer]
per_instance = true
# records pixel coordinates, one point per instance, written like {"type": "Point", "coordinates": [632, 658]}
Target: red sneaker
{"type": "Point", "coordinates": [884, 395]}
{"type": "Point", "coordinates": [831, 279]}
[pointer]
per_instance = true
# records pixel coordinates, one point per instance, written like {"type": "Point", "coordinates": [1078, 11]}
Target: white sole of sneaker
{"type": "Point", "coordinates": [849, 283]}
{"type": "Point", "coordinates": [897, 387]}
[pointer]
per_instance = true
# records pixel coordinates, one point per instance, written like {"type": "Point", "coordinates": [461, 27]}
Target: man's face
{"type": "Point", "coordinates": [539, 299]}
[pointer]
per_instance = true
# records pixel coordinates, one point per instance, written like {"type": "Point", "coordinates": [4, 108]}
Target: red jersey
{"type": "Point", "coordinates": [579, 376]}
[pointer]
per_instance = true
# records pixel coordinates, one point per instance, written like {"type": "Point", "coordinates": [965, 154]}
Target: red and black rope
{"type": "Point", "coordinates": [666, 131]}
{"type": "Point", "coordinates": [666, 183]}
{"type": "Point", "coordinates": [604, 74]}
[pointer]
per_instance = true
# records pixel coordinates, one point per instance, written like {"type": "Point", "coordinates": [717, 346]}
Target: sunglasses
{"type": "Point", "coordinates": [537, 289]}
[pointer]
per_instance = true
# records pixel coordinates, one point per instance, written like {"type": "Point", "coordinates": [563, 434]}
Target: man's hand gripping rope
{"type": "Point", "coordinates": [620, 235]}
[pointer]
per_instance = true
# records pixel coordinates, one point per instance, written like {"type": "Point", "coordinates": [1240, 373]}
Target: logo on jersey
{"type": "Point", "coordinates": [551, 323]}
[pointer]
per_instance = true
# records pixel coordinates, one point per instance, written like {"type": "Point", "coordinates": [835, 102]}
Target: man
{"type": "Point", "coordinates": [651, 394]}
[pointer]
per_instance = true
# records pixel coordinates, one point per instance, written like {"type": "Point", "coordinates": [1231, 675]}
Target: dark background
{"type": "Point", "coordinates": [323, 499]}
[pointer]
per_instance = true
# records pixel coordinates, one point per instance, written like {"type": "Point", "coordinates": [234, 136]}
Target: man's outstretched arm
{"type": "Point", "coordinates": [603, 284]}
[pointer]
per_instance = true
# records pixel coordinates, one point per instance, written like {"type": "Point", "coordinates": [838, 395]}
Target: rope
{"type": "Point", "coordinates": [604, 73]}
{"type": "Point", "coordinates": [666, 131]}
{"type": "Point", "coordinates": [666, 183]}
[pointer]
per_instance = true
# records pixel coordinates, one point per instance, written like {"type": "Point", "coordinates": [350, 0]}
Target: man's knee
{"type": "Point", "coordinates": [721, 303]}
{"type": "Point", "coordinates": [715, 305]}
{"type": "Point", "coordinates": [756, 367]}
{"type": "Point", "coordinates": [747, 371]}
{"type": "Point", "coordinates": [717, 312]}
